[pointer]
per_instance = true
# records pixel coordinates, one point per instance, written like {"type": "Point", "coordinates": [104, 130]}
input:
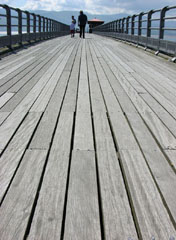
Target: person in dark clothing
{"type": "Point", "coordinates": [82, 20]}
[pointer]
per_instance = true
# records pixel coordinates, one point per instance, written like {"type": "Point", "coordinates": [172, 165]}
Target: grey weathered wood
{"type": "Point", "coordinates": [43, 135]}
{"type": "Point", "coordinates": [117, 217]}
{"type": "Point", "coordinates": [2, 75]}
{"type": "Point", "coordinates": [16, 209]}
{"type": "Point", "coordinates": [151, 213]}
{"type": "Point", "coordinates": [83, 129]}
{"type": "Point", "coordinates": [95, 91]}
{"type": "Point", "coordinates": [69, 104]}
{"type": "Point", "coordinates": [8, 164]}
{"type": "Point", "coordinates": [83, 139]}
{"type": "Point", "coordinates": [5, 98]}
{"type": "Point", "coordinates": [82, 214]}
{"type": "Point", "coordinates": [25, 131]}
{"type": "Point", "coordinates": [44, 132]}
{"type": "Point", "coordinates": [47, 221]}
{"type": "Point", "coordinates": [10, 125]}
{"type": "Point", "coordinates": [3, 116]}
{"type": "Point", "coordinates": [48, 216]}
{"type": "Point", "coordinates": [160, 131]}
{"type": "Point", "coordinates": [47, 91]}
{"type": "Point", "coordinates": [171, 154]}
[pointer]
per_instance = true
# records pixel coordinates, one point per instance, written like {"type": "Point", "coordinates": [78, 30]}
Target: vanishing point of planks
{"type": "Point", "coordinates": [87, 142]}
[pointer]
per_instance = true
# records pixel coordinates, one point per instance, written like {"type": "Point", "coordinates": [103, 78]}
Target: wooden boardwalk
{"type": "Point", "coordinates": [87, 142]}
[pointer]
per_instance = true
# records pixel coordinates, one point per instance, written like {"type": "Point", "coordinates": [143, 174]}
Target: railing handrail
{"type": "Point", "coordinates": [37, 27]}
{"type": "Point", "coordinates": [138, 28]}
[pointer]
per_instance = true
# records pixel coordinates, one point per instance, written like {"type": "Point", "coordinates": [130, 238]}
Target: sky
{"type": "Point", "coordinates": [91, 6]}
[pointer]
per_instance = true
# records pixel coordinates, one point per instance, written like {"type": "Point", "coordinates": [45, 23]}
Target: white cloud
{"type": "Point", "coordinates": [92, 6]}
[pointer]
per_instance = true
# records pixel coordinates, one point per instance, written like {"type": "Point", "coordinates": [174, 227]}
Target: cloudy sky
{"type": "Point", "coordinates": [91, 6]}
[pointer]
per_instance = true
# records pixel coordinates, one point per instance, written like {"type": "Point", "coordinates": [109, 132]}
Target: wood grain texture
{"type": "Point", "coordinates": [8, 165]}
{"type": "Point", "coordinates": [16, 208]}
{"type": "Point", "coordinates": [83, 139]}
{"type": "Point", "coordinates": [3, 116]}
{"type": "Point", "coordinates": [117, 217]}
{"type": "Point", "coordinates": [151, 213]}
{"type": "Point", "coordinates": [5, 98]}
{"type": "Point", "coordinates": [48, 216]}
{"type": "Point", "coordinates": [82, 215]}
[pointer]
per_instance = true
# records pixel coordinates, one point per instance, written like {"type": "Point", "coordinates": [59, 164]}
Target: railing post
{"type": "Point", "coordinates": [34, 26]}
{"type": "Point", "coordinates": [127, 24]}
{"type": "Point", "coordinates": [149, 16]}
{"type": "Point", "coordinates": [39, 26]}
{"type": "Point", "coordinates": [140, 23]}
{"type": "Point", "coordinates": [50, 28]}
{"type": "Point", "coordinates": [119, 29]}
{"type": "Point", "coordinates": [123, 20]}
{"type": "Point", "coordinates": [19, 24]}
{"type": "Point", "coordinates": [162, 22]}
{"type": "Point", "coordinates": [47, 21]}
{"type": "Point", "coordinates": [43, 27]}
{"type": "Point", "coordinates": [28, 24]}
{"type": "Point", "coordinates": [132, 24]}
{"type": "Point", "coordinates": [9, 28]}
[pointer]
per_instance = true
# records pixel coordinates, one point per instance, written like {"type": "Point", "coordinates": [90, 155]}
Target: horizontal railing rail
{"type": "Point", "coordinates": [155, 29]}
{"type": "Point", "coordinates": [18, 26]}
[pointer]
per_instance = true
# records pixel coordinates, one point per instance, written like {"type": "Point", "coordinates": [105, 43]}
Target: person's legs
{"type": "Point", "coordinates": [84, 31]}
{"type": "Point", "coordinates": [81, 30]}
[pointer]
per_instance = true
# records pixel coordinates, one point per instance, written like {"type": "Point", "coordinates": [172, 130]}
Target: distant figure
{"type": "Point", "coordinates": [73, 20]}
{"type": "Point", "coordinates": [82, 20]}
{"type": "Point", "coordinates": [72, 27]}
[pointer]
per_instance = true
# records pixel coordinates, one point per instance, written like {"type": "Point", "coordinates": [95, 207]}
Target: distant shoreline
{"type": "Point", "coordinates": [167, 37]}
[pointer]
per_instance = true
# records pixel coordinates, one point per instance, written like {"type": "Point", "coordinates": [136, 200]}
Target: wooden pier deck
{"type": "Point", "coordinates": [87, 142]}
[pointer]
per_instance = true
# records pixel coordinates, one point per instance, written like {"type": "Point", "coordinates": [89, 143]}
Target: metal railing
{"type": "Point", "coordinates": [18, 26]}
{"type": "Point", "coordinates": [155, 29]}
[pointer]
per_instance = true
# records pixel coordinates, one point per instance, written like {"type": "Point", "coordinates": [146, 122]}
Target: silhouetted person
{"type": "Point", "coordinates": [82, 20]}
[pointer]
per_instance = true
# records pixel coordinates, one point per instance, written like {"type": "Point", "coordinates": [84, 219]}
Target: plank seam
{"type": "Point", "coordinates": [19, 163]}
{"type": "Point", "coordinates": [100, 204]}
{"type": "Point", "coordinates": [70, 157]}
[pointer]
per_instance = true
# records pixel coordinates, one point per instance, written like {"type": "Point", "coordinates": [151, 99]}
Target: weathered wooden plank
{"type": "Point", "coordinates": [9, 126]}
{"type": "Point", "coordinates": [48, 217]}
{"type": "Point", "coordinates": [83, 139]}
{"type": "Point", "coordinates": [69, 104]}
{"type": "Point", "coordinates": [168, 118]}
{"type": "Point", "coordinates": [47, 221]}
{"type": "Point", "coordinates": [29, 81]}
{"type": "Point", "coordinates": [3, 116]}
{"type": "Point", "coordinates": [62, 137]}
{"type": "Point", "coordinates": [47, 91]}
{"type": "Point", "coordinates": [83, 129]}
{"type": "Point", "coordinates": [2, 75]}
{"type": "Point", "coordinates": [8, 165]}
{"type": "Point", "coordinates": [43, 135]}
{"type": "Point", "coordinates": [11, 157]}
{"type": "Point", "coordinates": [171, 154]}
{"type": "Point", "coordinates": [5, 98]}
{"type": "Point", "coordinates": [82, 214]}
{"type": "Point", "coordinates": [44, 132]}
{"type": "Point", "coordinates": [166, 139]}
{"type": "Point", "coordinates": [108, 93]}
{"type": "Point", "coordinates": [25, 131]}
{"type": "Point", "coordinates": [83, 103]}
{"type": "Point", "coordinates": [16, 209]}
{"type": "Point", "coordinates": [117, 217]}
{"type": "Point", "coordinates": [19, 77]}
{"type": "Point", "coordinates": [95, 91]}
{"type": "Point", "coordinates": [150, 211]}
